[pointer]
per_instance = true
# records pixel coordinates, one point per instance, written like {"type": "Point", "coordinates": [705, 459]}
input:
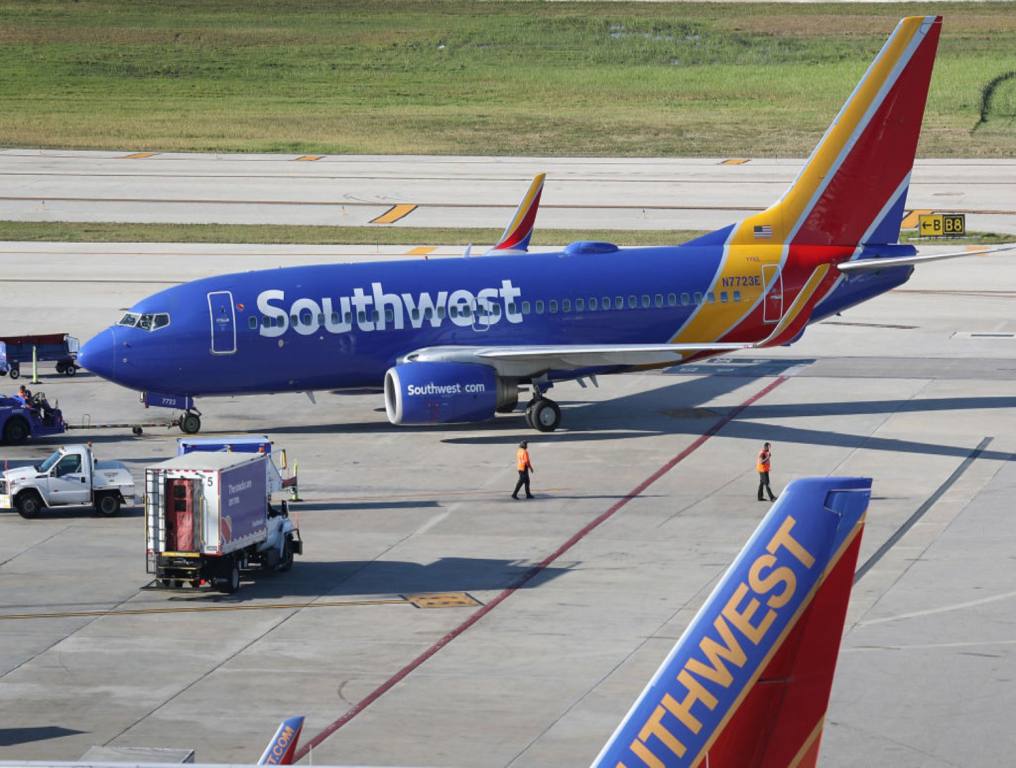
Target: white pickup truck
{"type": "Point", "coordinates": [70, 476]}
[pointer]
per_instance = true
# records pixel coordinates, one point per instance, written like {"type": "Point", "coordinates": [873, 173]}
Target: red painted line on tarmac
{"type": "Point", "coordinates": [391, 682]}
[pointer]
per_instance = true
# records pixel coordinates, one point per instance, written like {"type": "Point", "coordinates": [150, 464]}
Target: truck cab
{"type": "Point", "coordinates": [69, 477]}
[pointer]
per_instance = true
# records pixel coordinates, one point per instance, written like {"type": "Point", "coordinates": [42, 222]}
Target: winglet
{"type": "Point", "coordinates": [282, 747]}
{"type": "Point", "coordinates": [748, 682]}
{"type": "Point", "coordinates": [519, 231]}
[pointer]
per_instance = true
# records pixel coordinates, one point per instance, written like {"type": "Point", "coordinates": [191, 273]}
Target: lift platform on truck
{"type": "Point", "coordinates": [208, 516]}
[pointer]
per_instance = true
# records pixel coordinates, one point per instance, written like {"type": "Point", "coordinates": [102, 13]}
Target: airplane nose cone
{"type": "Point", "coordinates": [99, 354]}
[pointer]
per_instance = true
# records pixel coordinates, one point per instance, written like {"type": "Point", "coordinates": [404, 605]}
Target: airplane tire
{"type": "Point", "coordinates": [546, 415]}
{"type": "Point", "coordinates": [15, 431]}
{"type": "Point", "coordinates": [529, 416]}
{"type": "Point", "coordinates": [190, 423]}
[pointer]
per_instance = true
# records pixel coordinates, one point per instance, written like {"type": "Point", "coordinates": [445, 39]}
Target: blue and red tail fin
{"type": "Point", "coordinates": [519, 231]}
{"type": "Point", "coordinates": [748, 682]}
{"type": "Point", "coordinates": [282, 747]}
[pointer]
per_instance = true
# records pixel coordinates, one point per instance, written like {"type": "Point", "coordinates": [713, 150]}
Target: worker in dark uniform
{"type": "Point", "coordinates": [524, 466]}
{"type": "Point", "coordinates": [762, 465]}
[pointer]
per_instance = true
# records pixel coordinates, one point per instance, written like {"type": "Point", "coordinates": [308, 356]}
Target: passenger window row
{"type": "Point", "coordinates": [539, 307]}
{"type": "Point", "coordinates": [632, 301]}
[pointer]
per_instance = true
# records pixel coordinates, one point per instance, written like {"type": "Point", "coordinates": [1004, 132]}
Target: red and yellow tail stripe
{"type": "Point", "coordinates": [855, 176]}
{"type": "Point", "coordinates": [519, 231]}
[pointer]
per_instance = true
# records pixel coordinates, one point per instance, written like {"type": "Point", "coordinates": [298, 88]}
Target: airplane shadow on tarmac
{"type": "Point", "coordinates": [677, 409]}
{"type": "Point", "coordinates": [371, 578]}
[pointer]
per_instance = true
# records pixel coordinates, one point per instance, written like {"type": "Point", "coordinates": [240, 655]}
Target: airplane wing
{"type": "Point", "coordinates": [868, 265]}
{"type": "Point", "coordinates": [527, 360]}
{"type": "Point", "coordinates": [519, 231]}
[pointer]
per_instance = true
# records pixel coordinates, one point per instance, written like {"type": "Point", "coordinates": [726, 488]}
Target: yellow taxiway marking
{"type": "Point", "coordinates": [394, 213]}
{"type": "Point", "coordinates": [421, 250]}
{"type": "Point", "coordinates": [910, 220]}
{"type": "Point", "coordinates": [735, 161]}
{"type": "Point", "coordinates": [309, 157]}
{"type": "Point", "coordinates": [138, 156]}
{"type": "Point", "coordinates": [435, 600]}
{"type": "Point", "coordinates": [203, 609]}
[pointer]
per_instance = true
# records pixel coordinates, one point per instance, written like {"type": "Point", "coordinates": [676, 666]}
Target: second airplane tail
{"type": "Point", "coordinates": [748, 682]}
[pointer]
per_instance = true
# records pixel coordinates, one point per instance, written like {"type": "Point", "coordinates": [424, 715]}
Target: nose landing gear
{"type": "Point", "coordinates": [190, 422]}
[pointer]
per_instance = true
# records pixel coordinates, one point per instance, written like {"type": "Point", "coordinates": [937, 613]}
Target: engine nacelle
{"type": "Point", "coordinates": [439, 393]}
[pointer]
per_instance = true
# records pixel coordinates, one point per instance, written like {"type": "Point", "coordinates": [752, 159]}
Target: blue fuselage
{"type": "Point", "coordinates": [339, 326]}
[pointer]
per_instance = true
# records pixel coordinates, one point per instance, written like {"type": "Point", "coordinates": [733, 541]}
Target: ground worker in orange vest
{"type": "Point", "coordinates": [524, 466]}
{"type": "Point", "coordinates": [762, 465]}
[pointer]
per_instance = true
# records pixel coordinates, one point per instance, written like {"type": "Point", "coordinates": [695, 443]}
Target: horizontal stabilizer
{"type": "Point", "coordinates": [868, 265]}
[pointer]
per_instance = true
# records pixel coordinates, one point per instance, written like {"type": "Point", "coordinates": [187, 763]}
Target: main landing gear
{"type": "Point", "coordinates": [542, 413]}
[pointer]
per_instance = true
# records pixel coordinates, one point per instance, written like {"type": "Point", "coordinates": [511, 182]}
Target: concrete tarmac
{"type": "Point", "coordinates": [914, 389]}
{"type": "Point", "coordinates": [635, 193]}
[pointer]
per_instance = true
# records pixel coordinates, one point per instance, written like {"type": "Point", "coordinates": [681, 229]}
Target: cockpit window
{"type": "Point", "coordinates": [149, 321]}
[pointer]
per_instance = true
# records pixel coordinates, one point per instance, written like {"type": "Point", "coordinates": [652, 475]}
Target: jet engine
{"type": "Point", "coordinates": [439, 393]}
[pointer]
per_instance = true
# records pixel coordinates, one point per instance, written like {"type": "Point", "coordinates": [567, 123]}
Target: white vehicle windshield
{"type": "Point", "coordinates": [52, 459]}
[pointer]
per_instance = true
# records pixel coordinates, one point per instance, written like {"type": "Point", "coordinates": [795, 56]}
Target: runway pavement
{"type": "Point", "coordinates": [903, 388]}
{"type": "Point", "coordinates": [641, 193]}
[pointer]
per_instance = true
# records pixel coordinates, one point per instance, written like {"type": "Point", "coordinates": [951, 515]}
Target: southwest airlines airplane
{"type": "Point", "coordinates": [747, 684]}
{"type": "Point", "coordinates": [454, 340]}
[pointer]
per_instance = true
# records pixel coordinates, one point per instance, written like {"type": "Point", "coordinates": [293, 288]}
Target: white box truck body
{"type": "Point", "coordinates": [207, 516]}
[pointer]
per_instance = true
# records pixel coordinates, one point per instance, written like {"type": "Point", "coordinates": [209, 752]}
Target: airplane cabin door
{"type": "Point", "coordinates": [772, 284]}
{"type": "Point", "coordinates": [480, 315]}
{"type": "Point", "coordinates": [223, 319]}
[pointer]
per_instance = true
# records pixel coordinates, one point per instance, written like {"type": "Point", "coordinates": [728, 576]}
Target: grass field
{"type": "Point", "coordinates": [642, 79]}
{"type": "Point", "coordinates": [110, 232]}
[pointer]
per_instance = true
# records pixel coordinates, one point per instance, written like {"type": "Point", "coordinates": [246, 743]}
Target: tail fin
{"type": "Point", "coordinates": [748, 682]}
{"type": "Point", "coordinates": [282, 747]}
{"type": "Point", "coordinates": [853, 187]}
{"type": "Point", "coordinates": [519, 231]}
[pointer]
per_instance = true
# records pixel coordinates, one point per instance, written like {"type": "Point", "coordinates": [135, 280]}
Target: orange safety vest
{"type": "Point", "coordinates": [522, 459]}
{"type": "Point", "coordinates": [763, 461]}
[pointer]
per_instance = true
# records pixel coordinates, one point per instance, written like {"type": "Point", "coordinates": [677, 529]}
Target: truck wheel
{"type": "Point", "coordinates": [28, 504]}
{"type": "Point", "coordinates": [15, 372]}
{"type": "Point", "coordinates": [108, 504]}
{"type": "Point", "coordinates": [190, 423]}
{"type": "Point", "coordinates": [71, 370]}
{"type": "Point", "coordinates": [231, 583]}
{"type": "Point", "coordinates": [61, 368]}
{"type": "Point", "coordinates": [286, 563]}
{"type": "Point", "coordinates": [16, 431]}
